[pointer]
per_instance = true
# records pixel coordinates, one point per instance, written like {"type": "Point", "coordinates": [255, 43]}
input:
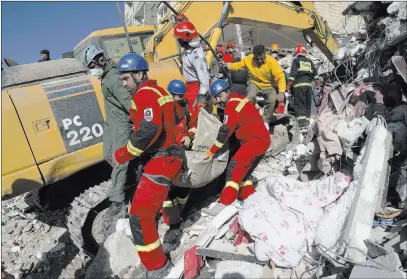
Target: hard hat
{"type": "Point", "coordinates": [185, 31]}
{"type": "Point", "coordinates": [229, 45]}
{"type": "Point", "coordinates": [300, 49]}
{"type": "Point", "coordinates": [220, 49]}
{"type": "Point", "coordinates": [90, 53]}
{"type": "Point", "coordinates": [132, 62]}
{"type": "Point", "coordinates": [274, 47]}
{"type": "Point", "coordinates": [176, 87]}
{"type": "Point", "coordinates": [218, 86]}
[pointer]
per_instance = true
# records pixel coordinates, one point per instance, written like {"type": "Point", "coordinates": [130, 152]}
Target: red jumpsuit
{"type": "Point", "coordinates": [178, 196]}
{"type": "Point", "coordinates": [228, 57]}
{"type": "Point", "coordinates": [242, 118]}
{"type": "Point", "coordinates": [183, 121]}
{"type": "Point", "coordinates": [153, 116]}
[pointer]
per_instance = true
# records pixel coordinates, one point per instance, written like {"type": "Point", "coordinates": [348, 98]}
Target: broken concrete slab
{"type": "Point", "coordinates": [223, 255]}
{"type": "Point", "coordinates": [118, 253]}
{"type": "Point", "coordinates": [208, 235]}
{"type": "Point", "coordinates": [371, 189]}
{"type": "Point", "coordinates": [360, 272]}
{"type": "Point", "coordinates": [238, 270]}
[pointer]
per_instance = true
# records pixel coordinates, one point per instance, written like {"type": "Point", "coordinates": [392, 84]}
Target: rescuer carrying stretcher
{"type": "Point", "coordinates": [182, 116]}
{"type": "Point", "coordinates": [153, 141]}
{"type": "Point", "coordinates": [242, 119]}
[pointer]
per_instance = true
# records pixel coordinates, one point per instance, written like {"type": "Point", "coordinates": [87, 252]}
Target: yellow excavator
{"type": "Point", "coordinates": [53, 112]}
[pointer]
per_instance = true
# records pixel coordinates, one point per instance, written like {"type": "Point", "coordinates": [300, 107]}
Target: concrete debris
{"type": "Point", "coordinates": [371, 188]}
{"type": "Point", "coordinates": [116, 254]}
{"type": "Point", "coordinates": [359, 272]}
{"type": "Point", "coordinates": [123, 225]}
{"type": "Point", "coordinates": [238, 269]}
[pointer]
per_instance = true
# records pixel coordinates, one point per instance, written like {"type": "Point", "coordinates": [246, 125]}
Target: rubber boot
{"type": "Point", "coordinates": [172, 238]}
{"type": "Point", "coordinates": [161, 272]}
{"type": "Point", "coordinates": [116, 211]}
{"type": "Point", "coordinates": [228, 196]}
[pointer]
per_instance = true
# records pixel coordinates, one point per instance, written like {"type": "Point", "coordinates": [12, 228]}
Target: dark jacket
{"type": "Point", "coordinates": [239, 81]}
{"type": "Point", "coordinates": [303, 71]}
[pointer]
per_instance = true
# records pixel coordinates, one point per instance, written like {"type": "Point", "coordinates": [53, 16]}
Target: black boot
{"type": "Point", "coordinates": [172, 238]}
{"type": "Point", "coordinates": [116, 211]}
{"type": "Point", "coordinates": [161, 272]}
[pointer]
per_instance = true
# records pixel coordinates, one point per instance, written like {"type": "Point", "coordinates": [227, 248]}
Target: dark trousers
{"type": "Point", "coordinates": [302, 103]}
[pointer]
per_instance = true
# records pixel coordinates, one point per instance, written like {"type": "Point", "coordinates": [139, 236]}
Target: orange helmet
{"type": "Point", "coordinates": [186, 31]}
{"type": "Point", "coordinates": [274, 47]}
{"type": "Point", "coordinates": [300, 49]}
{"type": "Point", "coordinates": [229, 45]}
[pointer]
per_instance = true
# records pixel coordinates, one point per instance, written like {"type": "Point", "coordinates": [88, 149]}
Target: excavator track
{"type": "Point", "coordinates": [82, 214]}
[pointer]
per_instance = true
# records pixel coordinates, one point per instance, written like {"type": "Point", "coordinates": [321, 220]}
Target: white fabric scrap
{"type": "Point", "coordinates": [282, 216]}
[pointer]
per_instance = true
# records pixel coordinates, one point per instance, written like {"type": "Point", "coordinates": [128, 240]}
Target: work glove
{"type": "Point", "coordinates": [209, 154]}
{"type": "Point", "coordinates": [186, 141]}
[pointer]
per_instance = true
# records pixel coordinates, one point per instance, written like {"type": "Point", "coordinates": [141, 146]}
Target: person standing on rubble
{"type": "Point", "coordinates": [264, 73]}
{"type": "Point", "coordinates": [230, 53]}
{"type": "Point", "coordinates": [242, 119]}
{"type": "Point", "coordinates": [194, 66]}
{"type": "Point", "coordinates": [302, 74]}
{"type": "Point", "coordinates": [117, 128]}
{"type": "Point", "coordinates": [153, 141]}
{"type": "Point", "coordinates": [274, 50]}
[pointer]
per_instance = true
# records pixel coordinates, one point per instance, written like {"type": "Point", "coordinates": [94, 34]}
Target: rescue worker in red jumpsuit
{"type": "Point", "coordinates": [194, 66]}
{"type": "Point", "coordinates": [153, 141]}
{"type": "Point", "coordinates": [229, 56]}
{"type": "Point", "coordinates": [182, 116]}
{"type": "Point", "coordinates": [244, 121]}
{"type": "Point", "coordinates": [175, 203]}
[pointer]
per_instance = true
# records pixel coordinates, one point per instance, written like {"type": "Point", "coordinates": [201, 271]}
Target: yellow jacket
{"type": "Point", "coordinates": [263, 76]}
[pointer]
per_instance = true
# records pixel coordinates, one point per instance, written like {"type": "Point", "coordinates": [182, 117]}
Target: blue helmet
{"type": "Point", "coordinates": [218, 86]}
{"type": "Point", "coordinates": [177, 87]}
{"type": "Point", "coordinates": [132, 62]}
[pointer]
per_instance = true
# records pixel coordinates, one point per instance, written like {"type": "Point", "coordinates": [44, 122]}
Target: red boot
{"type": "Point", "coordinates": [228, 196]}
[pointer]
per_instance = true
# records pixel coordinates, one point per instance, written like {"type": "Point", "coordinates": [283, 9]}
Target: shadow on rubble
{"type": "Point", "coordinates": [56, 260]}
{"type": "Point", "coordinates": [233, 275]}
{"type": "Point", "coordinates": [200, 198]}
{"type": "Point", "coordinates": [54, 199]}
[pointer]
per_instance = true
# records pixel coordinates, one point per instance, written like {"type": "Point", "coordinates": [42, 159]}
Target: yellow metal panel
{"type": "Point", "coordinates": [164, 72]}
{"type": "Point", "coordinates": [202, 14]}
{"type": "Point", "coordinates": [99, 95]}
{"type": "Point", "coordinates": [16, 154]}
{"type": "Point", "coordinates": [20, 182]}
{"type": "Point", "coordinates": [33, 108]}
{"type": "Point", "coordinates": [17, 160]}
{"type": "Point", "coordinates": [117, 31]}
{"type": "Point", "coordinates": [268, 15]}
{"type": "Point", "coordinates": [70, 163]}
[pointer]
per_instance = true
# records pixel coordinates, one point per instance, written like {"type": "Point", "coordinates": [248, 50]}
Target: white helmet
{"type": "Point", "coordinates": [91, 52]}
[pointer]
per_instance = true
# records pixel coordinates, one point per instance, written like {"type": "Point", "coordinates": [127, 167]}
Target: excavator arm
{"type": "Point", "coordinates": [208, 18]}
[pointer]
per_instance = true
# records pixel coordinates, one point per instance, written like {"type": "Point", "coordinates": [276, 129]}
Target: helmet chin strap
{"type": "Point", "coordinates": [133, 75]}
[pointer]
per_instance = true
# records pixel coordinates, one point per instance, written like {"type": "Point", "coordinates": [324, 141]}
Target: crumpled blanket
{"type": "Point", "coordinates": [282, 216]}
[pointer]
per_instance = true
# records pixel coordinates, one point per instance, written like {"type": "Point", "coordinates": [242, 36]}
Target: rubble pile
{"type": "Point", "coordinates": [36, 244]}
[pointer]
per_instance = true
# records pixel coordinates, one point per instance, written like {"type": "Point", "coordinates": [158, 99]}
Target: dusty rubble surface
{"type": "Point", "coordinates": [36, 244]}
{"type": "Point", "coordinates": [353, 226]}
